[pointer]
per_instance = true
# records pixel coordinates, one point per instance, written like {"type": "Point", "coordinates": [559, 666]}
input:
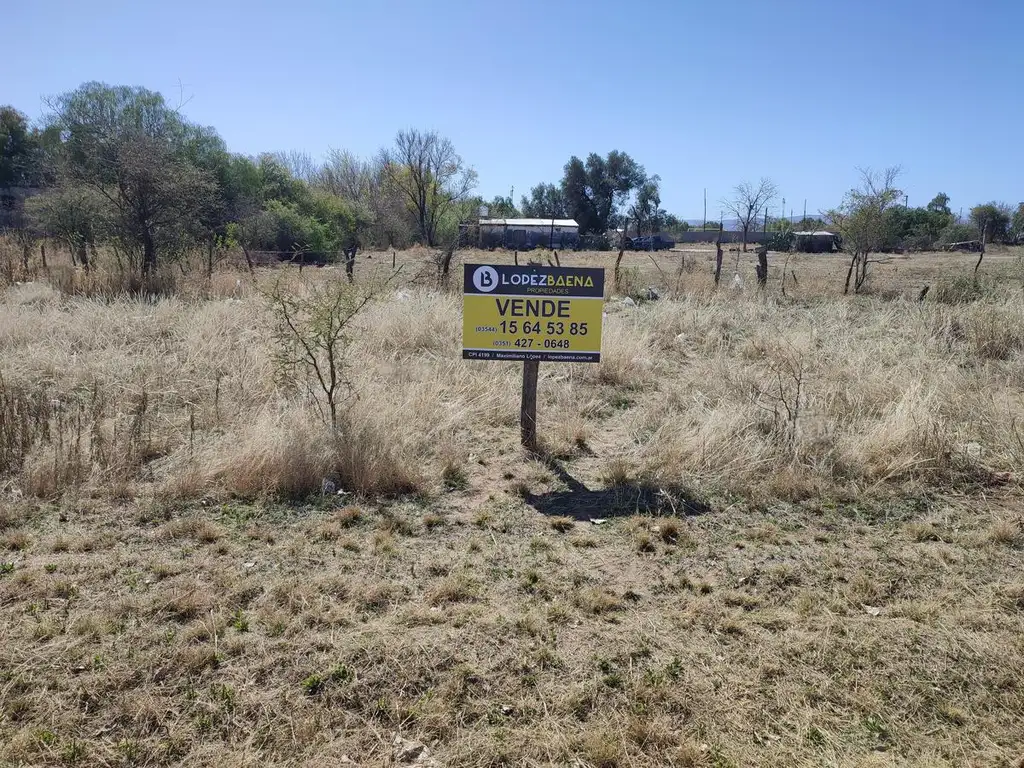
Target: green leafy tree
{"type": "Point", "coordinates": [957, 233]}
{"type": "Point", "coordinates": [917, 228]}
{"type": "Point", "coordinates": [992, 221]}
{"type": "Point", "coordinates": [809, 224]}
{"type": "Point", "coordinates": [1017, 224]}
{"type": "Point", "coordinates": [940, 204]}
{"type": "Point", "coordinates": [646, 211]}
{"type": "Point", "coordinates": [673, 225]}
{"type": "Point", "coordinates": [21, 151]}
{"type": "Point", "coordinates": [377, 204]}
{"type": "Point", "coordinates": [71, 215]}
{"type": "Point", "coordinates": [597, 189]}
{"type": "Point", "coordinates": [545, 201]}
{"type": "Point", "coordinates": [502, 208]}
{"type": "Point", "coordinates": [130, 147]}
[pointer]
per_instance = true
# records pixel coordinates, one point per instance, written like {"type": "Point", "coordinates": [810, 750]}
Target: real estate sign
{"type": "Point", "coordinates": [547, 314]}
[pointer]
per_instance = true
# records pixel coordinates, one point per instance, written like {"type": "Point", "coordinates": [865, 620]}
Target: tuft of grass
{"type": "Point", "coordinates": [347, 517]}
{"type": "Point", "coordinates": [669, 530]}
{"type": "Point", "coordinates": [313, 685]}
{"type": "Point", "coordinates": [239, 621]}
{"type": "Point", "coordinates": [601, 749]}
{"type": "Point", "coordinates": [1006, 532]}
{"type": "Point", "coordinates": [17, 541]}
{"type": "Point", "coordinates": [457, 588]}
{"type": "Point", "coordinates": [454, 478]}
{"type": "Point", "coordinates": [562, 524]}
{"type": "Point", "coordinates": [597, 601]}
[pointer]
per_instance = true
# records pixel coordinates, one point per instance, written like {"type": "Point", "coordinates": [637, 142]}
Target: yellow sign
{"type": "Point", "coordinates": [532, 313]}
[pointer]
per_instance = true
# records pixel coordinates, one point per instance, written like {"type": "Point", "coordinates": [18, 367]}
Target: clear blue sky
{"type": "Point", "coordinates": [704, 94]}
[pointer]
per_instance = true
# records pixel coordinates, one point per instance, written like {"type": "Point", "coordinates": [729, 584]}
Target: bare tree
{"type": "Point", "coordinates": [70, 216]}
{"type": "Point", "coordinates": [748, 201]}
{"type": "Point", "coordinates": [425, 168]}
{"type": "Point", "coordinates": [364, 185]}
{"type": "Point", "coordinates": [346, 175]}
{"type": "Point", "coordinates": [299, 164]}
{"type": "Point", "coordinates": [863, 223]}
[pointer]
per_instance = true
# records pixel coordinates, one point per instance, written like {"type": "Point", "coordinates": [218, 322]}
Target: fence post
{"type": "Point", "coordinates": [528, 406]}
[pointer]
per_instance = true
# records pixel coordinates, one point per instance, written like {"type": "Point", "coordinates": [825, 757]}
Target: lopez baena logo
{"type": "Point", "coordinates": [485, 279]}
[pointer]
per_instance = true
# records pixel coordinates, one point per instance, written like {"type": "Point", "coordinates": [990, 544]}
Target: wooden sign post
{"type": "Point", "coordinates": [534, 314]}
{"type": "Point", "coordinates": [528, 405]}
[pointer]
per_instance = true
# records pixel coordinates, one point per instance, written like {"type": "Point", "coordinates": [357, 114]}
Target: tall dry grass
{"type": "Point", "coordinates": [732, 391]}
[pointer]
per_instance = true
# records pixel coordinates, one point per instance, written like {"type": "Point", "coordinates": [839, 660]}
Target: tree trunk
{"type": "Point", "coordinates": [746, 227]}
{"type": "Point", "coordinates": [83, 255]}
{"type": "Point", "coordinates": [209, 259]}
{"type": "Point", "coordinates": [148, 254]}
{"type": "Point", "coordinates": [618, 261]}
{"type": "Point", "coordinates": [248, 261]}
{"type": "Point", "coordinates": [42, 254]}
{"type": "Point", "coordinates": [862, 273]}
{"type": "Point", "coordinates": [849, 272]}
{"type": "Point", "coordinates": [25, 252]}
{"type": "Point", "coordinates": [982, 254]}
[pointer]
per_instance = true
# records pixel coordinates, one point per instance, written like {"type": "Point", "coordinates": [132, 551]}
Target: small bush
{"type": "Point", "coordinates": [454, 478]}
{"type": "Point", "coordinates": [960, 290]}
{"type": "Point", "coordinates": [453, 589]}
{"type": "Point", "coordinates": [993, 332]}
{"type": "Point", "coordinates": [313, 685]}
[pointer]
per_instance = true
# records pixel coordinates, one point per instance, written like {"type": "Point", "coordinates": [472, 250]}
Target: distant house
{"type": "Point", "coordinates": [524, 234]}
{"type": "Point", "coordinates": [815, 242]}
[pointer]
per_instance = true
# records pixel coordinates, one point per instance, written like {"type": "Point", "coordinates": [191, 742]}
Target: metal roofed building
{"type": "Point", "coordinates": [524, 234]}
{"type": "Point", "coordinates": [815, 242]}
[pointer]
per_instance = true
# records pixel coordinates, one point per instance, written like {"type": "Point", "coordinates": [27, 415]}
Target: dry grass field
{"type": "Point", "coordinates": [768, 529]}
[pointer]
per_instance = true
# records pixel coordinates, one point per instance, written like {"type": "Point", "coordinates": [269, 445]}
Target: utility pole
{"type": "Point", "coordinates": [704, 228]}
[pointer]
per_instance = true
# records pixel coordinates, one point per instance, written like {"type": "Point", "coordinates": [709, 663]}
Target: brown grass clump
{"type": "Point", "coordinates": [453, 589]}
{"type": "Point", "coordinates": [563, 524]}
{"type": "Point", "coordinates": [1006, 532]}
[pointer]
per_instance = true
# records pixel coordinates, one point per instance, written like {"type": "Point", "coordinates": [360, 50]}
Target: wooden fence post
{"type": "Point", "coordinates": [528, 406]}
